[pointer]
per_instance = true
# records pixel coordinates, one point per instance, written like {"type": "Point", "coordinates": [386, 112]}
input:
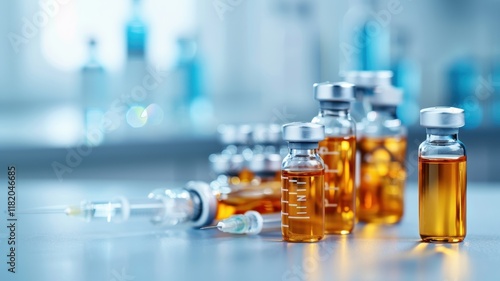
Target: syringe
{"type": "Point", "coordinates": [251, 222]}
{"type": "Point", "coordinates": [193, 205]}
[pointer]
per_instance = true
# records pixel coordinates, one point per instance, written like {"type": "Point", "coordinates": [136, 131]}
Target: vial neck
{"type": "Point", "coordinates": [442, 135]}
{"type": "Point", "coordinates": [385, 110]}
{"type": "Point", "coordinates": [297, 149]}
{"type": "Point", "coordinates": [334, 112]}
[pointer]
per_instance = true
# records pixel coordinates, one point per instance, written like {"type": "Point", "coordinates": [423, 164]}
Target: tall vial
{"type": "Point", "coordinates": [442, 176]}
{"type": "Point", "coordinates": [302, 178]}
{"type": "Point", "coordinates": [338, 151]}
{"type": "Point", "coordinates": [382, 149]}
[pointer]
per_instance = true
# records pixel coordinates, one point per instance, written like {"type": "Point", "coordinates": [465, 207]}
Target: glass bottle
{"type": "Point", "coordinates": [302, 190]}
{"type": "Point", "coordinates": [382, 148]}
{"type": "Point", "coordinates": [338, 151]}
{"type": "Point", "coordinates": [442, 176]}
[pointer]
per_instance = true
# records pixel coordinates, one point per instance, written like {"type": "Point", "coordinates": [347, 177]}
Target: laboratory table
{"type": "Point", "coordinates": [55, 247]}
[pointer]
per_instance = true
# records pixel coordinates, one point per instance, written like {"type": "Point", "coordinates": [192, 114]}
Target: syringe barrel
{"type": "Point", "coordinates": [193, 205]}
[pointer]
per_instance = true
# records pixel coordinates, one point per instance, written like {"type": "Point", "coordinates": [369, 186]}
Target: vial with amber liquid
{"type": "Point", "coordinates": [442, 176]}
{"type": "Point", "coordinates": [302, 179]}
{"type": "Point", "coordinates": [382, 150]}
{"type": "Point", "coordinates": [338, 151]}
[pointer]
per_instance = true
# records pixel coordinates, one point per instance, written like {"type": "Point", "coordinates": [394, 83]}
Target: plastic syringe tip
{"type": "Point", "coordinates": [232, 225]}
{"type": "Point", "coordinates": [249, 223]}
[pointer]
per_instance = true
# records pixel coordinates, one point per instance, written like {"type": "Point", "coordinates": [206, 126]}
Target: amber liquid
{"type": "Point", "coordinates": [442, 185]}
{"type": "Point", "coordinates": [339, 155]}
{"type": "Point", "coordinates": [382, 176]}
{"type": "Point", "coordinates": [302, 204]}
{"type": "Point", "coordinates": [263, 198]}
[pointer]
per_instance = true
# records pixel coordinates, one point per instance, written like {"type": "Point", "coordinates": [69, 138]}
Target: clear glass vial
{"type": "Point", "coordinates": [442, 176]}
{"type": "Point", "coordinates": [302, 190]}
{"type": "Point", "coordinates": [382, 150]}
{"type": "Point", "coordinates": [338, 151]}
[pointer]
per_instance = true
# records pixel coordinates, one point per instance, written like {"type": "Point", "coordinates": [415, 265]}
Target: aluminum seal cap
{"type": "Point", "coordinates": [368, 79]}
{"type": "Point", "coordinates": [442, 117]}
{"type": "Point", "coordinates": [386, 95]}
{"type": "Point", "coordinates": [303, 132]}
{"type": "Point", "coordinates": [340, 91]}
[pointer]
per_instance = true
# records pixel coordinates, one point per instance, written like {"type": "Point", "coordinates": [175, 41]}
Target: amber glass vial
{"type": "Point", "coordinates": [302, 191]}
{"type": "Point", "coordinates": [382, 181]}
{"type": "Point", "coordinates": [303, 209]}
{"type": "Point", "coordinates": [382, 153]}
{"type": "Point", "coordinates": [442, 190]}
{"type": "Point", "coordinates": [442, 179]}
{"type": "Point", "coordinates": [237, 199]}
{"type": "Point", "coordinates": [338, 151]}
{"type": "Point", "coordinates": [339, 155]}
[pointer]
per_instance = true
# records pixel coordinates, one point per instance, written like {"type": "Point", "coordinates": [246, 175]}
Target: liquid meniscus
{"type": "Point", "coordinates": [339, 155]}
{"type": "Point", "coordinates": [442, 188]}
{"type": "Point", "coordinates": [302, 205]}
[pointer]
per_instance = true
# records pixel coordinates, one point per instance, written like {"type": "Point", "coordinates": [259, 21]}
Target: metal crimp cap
{"type": "Point", "coordinates": [442, 117]}
{"type": "Point", "coordinates": [368, 79]}
{"type": "Point", "coordinates": [303, 132]}
{"type": "Point", "coordinates": [340, 91]}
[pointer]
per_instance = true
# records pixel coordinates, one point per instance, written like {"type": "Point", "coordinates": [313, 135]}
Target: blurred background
{"type": "Point", "coordinates": [135, 89]}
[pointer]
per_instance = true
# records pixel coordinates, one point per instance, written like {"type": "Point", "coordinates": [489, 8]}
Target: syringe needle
{"type": "Point", "coordinates": [208, 227]}
{"type": "Point", "coordinates": [45, 210]}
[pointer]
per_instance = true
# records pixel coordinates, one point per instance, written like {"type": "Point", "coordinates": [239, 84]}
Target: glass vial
{"type": "Point", "coordinates": [442, 176]}
{"type": "Point", "coordinates": [338, 151]}
{"type": "Point", "coordinates": [302, 190]}
{"type": "Point", "coordinates": [382, 150]}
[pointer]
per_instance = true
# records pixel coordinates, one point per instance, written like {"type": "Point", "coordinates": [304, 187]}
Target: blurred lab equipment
{"type": "Point", "coordinates": [338, 151]}
{"type": "Point", "coordinates": [95, 96]}
{"type": "Point", "coordinates": [247, 175]}
{"type": "Point", "coordinates": [367, 34]}
{"type": "Point", "coordinates": [442, 178]}
{"type": "Point", "coordinates": [303, 190]}
{"type": "Point", "coordinates": [251, 222]}
{"type": "Point", "coordinates": [136, 31]}
{"type": "Point", "coordinates": [462, 80]}
{"type": "Point", "coordinates": [382, 147]}
{"type": "Point", "coordinates": [407, 77]}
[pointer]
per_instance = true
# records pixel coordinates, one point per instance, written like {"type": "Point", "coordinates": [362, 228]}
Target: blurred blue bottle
{"type": "Point", "coordinates": [406, 76]}
{"type": "Point", "coordinates": [95, 96]}
{"type": "Point", "coordinates": [136, 31]}
{"type": "Point", "coordinates": [462, 79]}
{"type": "Point", "coordinates": [374, 37]}
{"type": "Point", "coordinates": [493, 94]}
{"type": "Point", "coordinates": [192, 99]}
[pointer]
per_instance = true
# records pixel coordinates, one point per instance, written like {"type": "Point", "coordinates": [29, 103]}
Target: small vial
{"type": "Point", "coordinates": [302, 191]}
{"type": "Point", "coordinates": [366, 82]}
{"type": "Point", "coordinates": [442, 176]}
{"type": "Point", "coordinates": [236, 139]}
{"type": "Point", "coordinates": [382, 148]}
{"type": "Point", "coordinates": [238, 199]}
{"type": "Point", "coordinates": [338, 151]}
